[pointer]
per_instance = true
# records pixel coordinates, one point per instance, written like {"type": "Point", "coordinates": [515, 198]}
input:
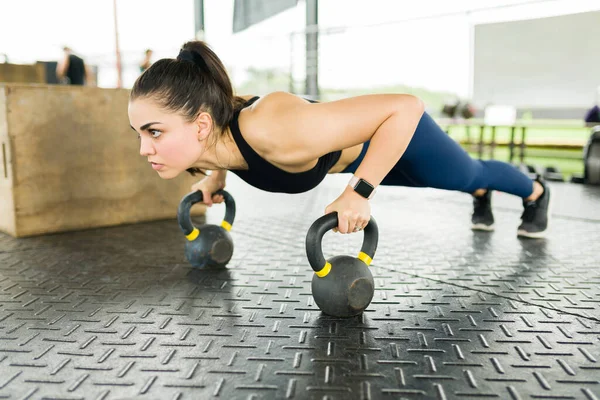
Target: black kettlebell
{"type": "Point", "coordinates": [209, 245]}
{"type": "Point", "coordinates": [343, 285]}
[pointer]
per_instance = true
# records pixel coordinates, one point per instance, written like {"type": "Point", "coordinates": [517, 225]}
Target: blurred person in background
{"type": "Point", "coordinates": [72, 69]}
{"type": "Point", "coordinates": [147, 61]}
{"type": "Point", "coordinates": [188, 118]}
{"type": "Point", "coordinates": [592, 116]}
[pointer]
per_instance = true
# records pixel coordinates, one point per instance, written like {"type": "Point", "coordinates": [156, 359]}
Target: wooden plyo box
{"type": "Point", "coordinates": [69, 161]}
{"type": "Point", "coordinates": [23, 73]}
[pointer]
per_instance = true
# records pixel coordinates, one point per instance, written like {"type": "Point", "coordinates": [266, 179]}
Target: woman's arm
{"type": "Point", "coordinates": [389, 141]}
{"type": "Point", "coordinates": [314, 129]}
{"type": "Point", "coordinates": [62, 66]}
{"type": "Point", "coordinates": [219, 175]}
{"type": "Point", "coordinates": [388, 121]}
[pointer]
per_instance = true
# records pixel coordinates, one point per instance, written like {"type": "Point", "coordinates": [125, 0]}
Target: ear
{"type": "Point", "coordinates": [204, 122]}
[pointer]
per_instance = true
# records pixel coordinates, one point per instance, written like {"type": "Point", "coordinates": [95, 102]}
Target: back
{"type": "Point", "coordinates": [76, 70]}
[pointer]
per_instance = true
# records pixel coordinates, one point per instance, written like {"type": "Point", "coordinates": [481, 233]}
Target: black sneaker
{"type": "Point", "coordinates": [536, 215]}
{"type": "Point", "coordinates": [482, 219]}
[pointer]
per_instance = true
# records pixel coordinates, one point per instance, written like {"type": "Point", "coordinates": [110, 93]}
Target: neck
{"type": "Point", "coordinates": [223, 155]}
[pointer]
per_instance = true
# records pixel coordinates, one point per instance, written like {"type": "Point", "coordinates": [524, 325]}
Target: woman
{"type": "Point", "coordinates": [188, 119]}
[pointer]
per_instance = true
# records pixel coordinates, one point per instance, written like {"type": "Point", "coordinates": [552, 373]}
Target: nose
{"type": "Point", "coordinates": [146, 147]}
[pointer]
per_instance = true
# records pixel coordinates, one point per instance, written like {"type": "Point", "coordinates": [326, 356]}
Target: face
{"type": "Point", "coordinates": [167, 140]}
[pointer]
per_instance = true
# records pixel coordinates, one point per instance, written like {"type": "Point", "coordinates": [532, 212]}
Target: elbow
{"type": "Point", "coordinates": [411, 105]}
{"type": "Point", "coordinates": [420, 106]}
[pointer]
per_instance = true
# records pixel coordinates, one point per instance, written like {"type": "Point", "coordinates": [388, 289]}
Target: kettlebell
{"type": "Point", "coordinates": [343, 285]}
{"type": "Point", "coordinates": [209, 245]}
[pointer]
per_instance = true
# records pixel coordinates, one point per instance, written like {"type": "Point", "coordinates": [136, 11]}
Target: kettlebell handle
{"type": "Point", "coordinates": [314, 240]}
{"type": "Point", "coordinates": [185, 220]}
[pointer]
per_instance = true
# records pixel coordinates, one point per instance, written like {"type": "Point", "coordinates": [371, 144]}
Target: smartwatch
{"type": "Point", "coordinates": [362, 187]}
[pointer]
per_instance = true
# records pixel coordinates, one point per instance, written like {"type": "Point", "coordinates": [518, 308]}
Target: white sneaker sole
{"type": "Point", "coordinates": [538, 235]}
{"type": "Point", "coordinates": [482, 227]}
{"type": "Point", "coordinates": [531, 235]}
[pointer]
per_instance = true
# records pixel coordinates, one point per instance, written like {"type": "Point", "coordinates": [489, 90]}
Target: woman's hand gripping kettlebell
{"type": "Point", "coordinates": [210, 184]}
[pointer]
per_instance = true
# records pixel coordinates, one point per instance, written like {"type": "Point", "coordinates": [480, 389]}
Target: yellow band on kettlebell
{"type": "Point", "coordinates": [226, 225]}
{"type": "Point", "coordinates": [193, 235]}
{"type": "Point", "coordinates": [324, 271]}
{"type": "Point", "coordinates": [364, 257]}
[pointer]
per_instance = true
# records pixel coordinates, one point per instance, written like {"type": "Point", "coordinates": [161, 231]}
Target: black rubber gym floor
{"type": "Point", "coordinates": [117, 313]}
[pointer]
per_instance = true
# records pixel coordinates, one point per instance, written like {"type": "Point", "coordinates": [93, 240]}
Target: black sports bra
{"type": "Point", "coordinates": [265, 176]}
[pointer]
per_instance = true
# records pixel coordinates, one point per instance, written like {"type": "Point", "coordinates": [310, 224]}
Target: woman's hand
{"type": "Point", "coordinates": [208, 186]}
{"type": "Point", "coordinates": [354, 211]}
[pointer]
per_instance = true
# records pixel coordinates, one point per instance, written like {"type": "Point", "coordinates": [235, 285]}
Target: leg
{"type": "Point", "coordinates": [433, 159]}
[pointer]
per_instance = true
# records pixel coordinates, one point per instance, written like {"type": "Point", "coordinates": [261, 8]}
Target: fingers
{"type": "Point", "coordinates": [206, 198]}
{"type": "Point", "coordinates": [218, 198]}
{"type": "Point", "coordinates": [214, 199]}
{"type": "Point", "coordinates": [361, 224]}
{"type": "Point", "coordinates": [343, 222]}
{"type": "Point", "coordinates": [351, 222]}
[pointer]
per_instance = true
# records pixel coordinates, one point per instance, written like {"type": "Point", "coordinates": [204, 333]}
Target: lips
{"type": "Point", "coordinates": [156, 166]}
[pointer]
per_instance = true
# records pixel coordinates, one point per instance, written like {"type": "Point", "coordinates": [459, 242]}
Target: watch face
{"type": "Point", "coordinates": [363, 188]}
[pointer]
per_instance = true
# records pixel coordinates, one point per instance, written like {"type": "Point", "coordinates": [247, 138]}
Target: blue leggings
{"type": "Point", "coordinates": [433, 159]}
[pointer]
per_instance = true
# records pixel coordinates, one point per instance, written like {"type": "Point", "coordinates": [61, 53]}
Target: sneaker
{"type": "Point", "coordinates": [482, 219]}
{"type": "Point", "coordinates": [536, 215]}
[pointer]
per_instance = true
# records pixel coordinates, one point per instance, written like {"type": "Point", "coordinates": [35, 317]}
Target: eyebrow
{"type": "Point", "coordinates": [145, 126]}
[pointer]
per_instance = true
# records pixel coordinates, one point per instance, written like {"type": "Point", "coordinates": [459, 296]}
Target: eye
{"type": "Point", "coordinates": [154, 133]}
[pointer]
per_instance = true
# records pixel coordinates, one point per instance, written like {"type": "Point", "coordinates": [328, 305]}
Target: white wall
{"type": "Point", "coordinates": [546, 62]}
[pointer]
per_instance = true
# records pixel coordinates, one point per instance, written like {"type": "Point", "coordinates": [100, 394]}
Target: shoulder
{"type": "Point", "coordinates": [270, 113]}
{"type": "Point", "coordinates": [275, 102]}
{"type": "Point", "coordinates": [266, 131]}
{"type": "Point", "coordinates": [271, 102]}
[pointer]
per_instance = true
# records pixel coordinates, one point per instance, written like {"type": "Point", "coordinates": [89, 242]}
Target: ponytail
{"type": "Point", "coordinates": [196, 81]}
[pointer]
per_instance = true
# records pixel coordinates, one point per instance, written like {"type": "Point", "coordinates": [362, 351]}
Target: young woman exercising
{"type": "Point", "coordinates": [188, 119]}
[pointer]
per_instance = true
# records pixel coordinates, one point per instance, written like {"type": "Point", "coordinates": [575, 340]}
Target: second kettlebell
{"type": "Point", "coordinates": [207, 245]}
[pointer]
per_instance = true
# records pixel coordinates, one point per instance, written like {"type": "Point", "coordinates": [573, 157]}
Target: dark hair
{"type": "Point", "coordinates": [196, 81]}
